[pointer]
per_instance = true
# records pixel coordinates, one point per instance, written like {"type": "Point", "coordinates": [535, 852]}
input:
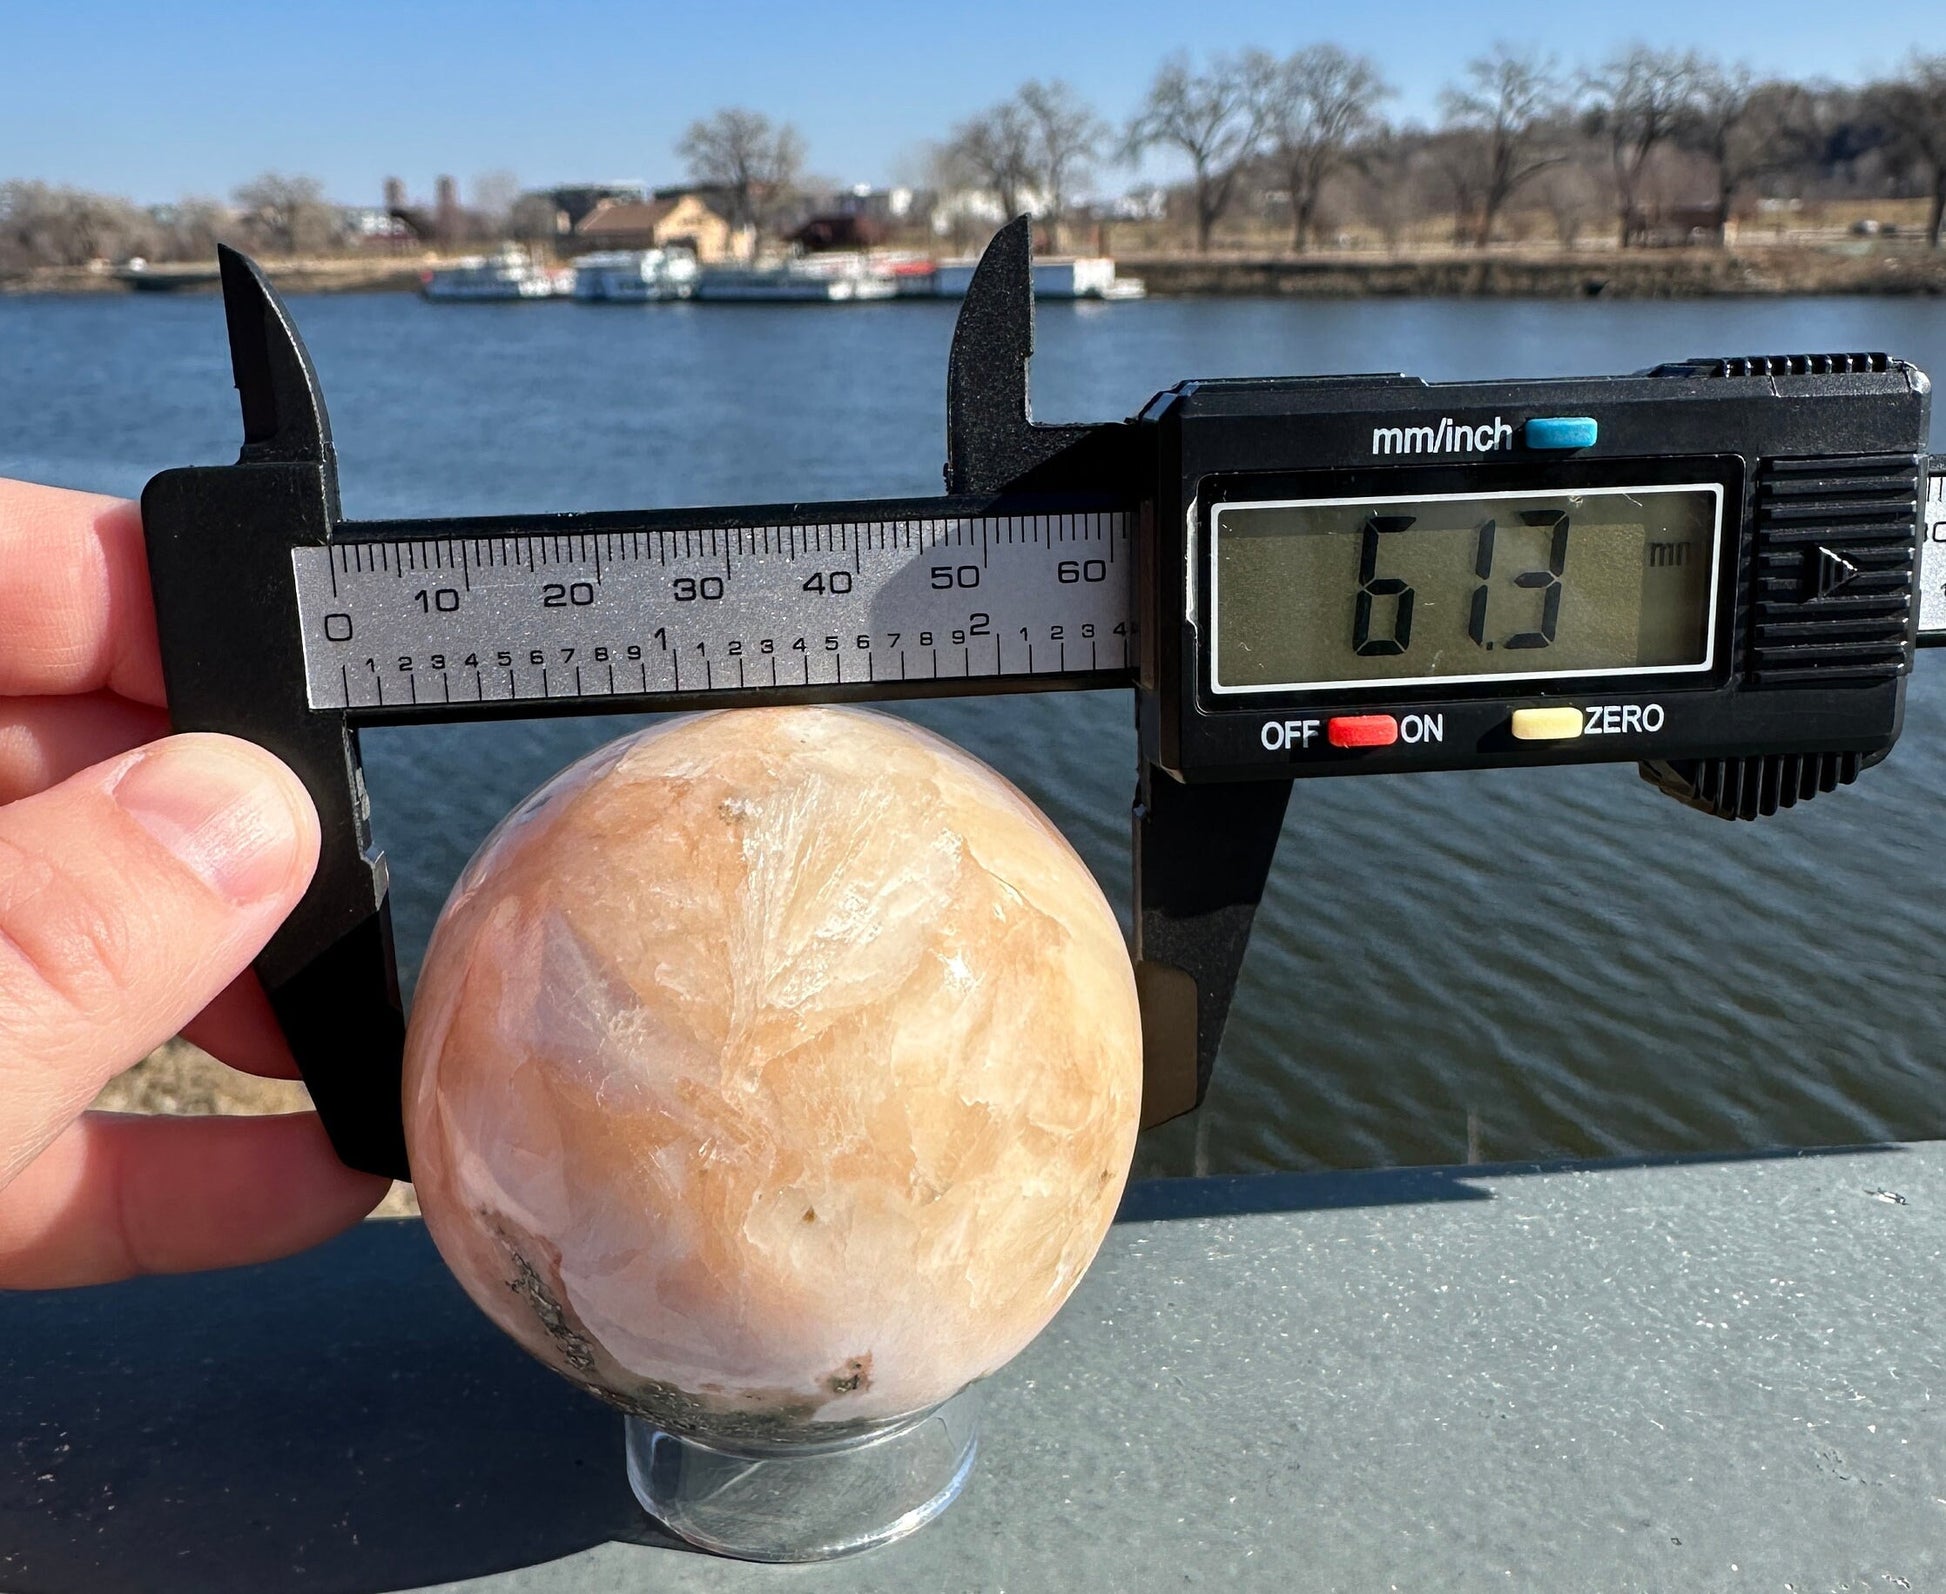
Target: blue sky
{"type": "Point", "coordinates": [165, 97]}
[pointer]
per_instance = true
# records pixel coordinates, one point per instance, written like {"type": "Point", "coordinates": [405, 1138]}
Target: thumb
{"type": "Point", "coordinates": [130, 895]}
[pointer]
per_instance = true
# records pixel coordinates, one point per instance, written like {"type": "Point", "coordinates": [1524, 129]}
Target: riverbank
{"type": "Point", "coordinates": [1645, 274]}
{"type": "Point", "coordinates": [324, 275]}
{"type": "Point", "coordinates": [1902, 269]}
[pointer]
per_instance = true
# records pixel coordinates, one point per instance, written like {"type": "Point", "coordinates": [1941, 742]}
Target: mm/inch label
{"type": "Point", "coordinates": [564, 616]}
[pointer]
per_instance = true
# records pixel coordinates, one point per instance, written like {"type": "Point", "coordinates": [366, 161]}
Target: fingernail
{"type": "Point", "coordinates": [221, 809]}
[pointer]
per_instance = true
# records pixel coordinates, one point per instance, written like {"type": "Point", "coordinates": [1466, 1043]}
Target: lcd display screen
{"type": "Point", "coordinates": [1463, 587]}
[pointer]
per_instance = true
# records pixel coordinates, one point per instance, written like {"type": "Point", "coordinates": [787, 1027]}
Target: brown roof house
{"type": "Point", "coordinates": [683, 220]}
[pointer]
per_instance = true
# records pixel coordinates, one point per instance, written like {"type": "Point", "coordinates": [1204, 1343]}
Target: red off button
{"type": "Point", "coordinates": [1362, 730]}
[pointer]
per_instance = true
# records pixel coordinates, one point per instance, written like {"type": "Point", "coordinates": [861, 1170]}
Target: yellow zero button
{"type": "Point", "coordinates": [1547, 724]}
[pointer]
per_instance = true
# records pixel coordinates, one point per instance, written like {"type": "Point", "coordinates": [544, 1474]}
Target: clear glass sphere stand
{"type": "Point", "coordinates": [761, 1501]}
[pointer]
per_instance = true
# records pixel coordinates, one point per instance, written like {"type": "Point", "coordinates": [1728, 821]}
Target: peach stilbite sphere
{"type": "Point", "coordinates": [774, 1072]}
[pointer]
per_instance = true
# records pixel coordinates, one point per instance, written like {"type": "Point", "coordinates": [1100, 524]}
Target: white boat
{"type": "Point", "coordinates": [509, 275]}
{"type": "Point", "coordinates": [810, 279]}
{"type": "Point", "coordinates": [635, 276]}
{"type": "Point", "coordinates": [1085, 277]}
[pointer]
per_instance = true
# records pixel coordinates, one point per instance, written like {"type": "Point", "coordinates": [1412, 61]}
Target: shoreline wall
{"type": "Point", "coordinates": [1696, 273]}
{"type": "Point", "coordinates": [1638, 274]}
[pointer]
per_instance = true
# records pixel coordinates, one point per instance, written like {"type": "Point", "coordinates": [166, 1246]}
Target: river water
{"type": "Point", "coordinates": [1497, 965]}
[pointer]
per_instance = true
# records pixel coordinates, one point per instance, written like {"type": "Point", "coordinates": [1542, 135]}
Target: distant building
{"type": "Point", "coordinates": [884, 206]}
{"type": "Point", "coordinates": [1138, 204]}
{"type": "Point", "coordinates": [449, 219]}
{"type": "Point", "coordinates": [414, 222]}
{"type": "Point", "coordinates": [855, 217]}
{"type": "Point", "coordinates": [684, 220]}
{"type": "Point", "coordinates": [957, 209]}
{"type": "Point", "coordinates": [574, 202]}
{"type": "Point", "coordinates": [369, 225]}
{"type": "Point", "coordinates": [837, 232]}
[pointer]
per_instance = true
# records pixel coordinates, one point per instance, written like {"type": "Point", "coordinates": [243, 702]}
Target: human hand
{"type": "Point", "coordinates": [139, 874]}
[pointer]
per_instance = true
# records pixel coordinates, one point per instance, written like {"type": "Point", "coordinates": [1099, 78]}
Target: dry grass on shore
{"type": "Point", "coordinates": [178, 1078]}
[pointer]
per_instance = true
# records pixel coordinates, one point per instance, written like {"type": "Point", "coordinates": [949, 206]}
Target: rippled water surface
{"type": "Point", "coordinates": [1502, 964]}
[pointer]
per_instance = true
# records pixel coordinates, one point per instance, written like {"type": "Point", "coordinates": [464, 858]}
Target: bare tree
{"type": "Point", "coordinates": [190, 229]}
{"type": "Point", "coordinates": [492, 197]}
{"type": "Point", "coordinates": [42, 225]}
{"type": "Point", "coordinates": [1571, 193]}
{"type": "Point", "coordinates": [1639, 99]}
{"type": "Point", "coordinates": [1746, 129]}
{"type": "Point", "coordinates": [1913, 106]}
{"type": "Point", "coordinates": [994, 151]}
{"type": "Point", "coordinates": [1506, 111]}
{"type": "Point", "coordinates": [1319, 103]}
{"type": "Point", "coordinates": [755, 162]}
{"type": "Point", "coordinates": [1390, 173]}
{"type": "Point", "coordinates": [1215, 117]}
{"type": "Point", "coordinates": [535, 219]}
{"type": "Point", "coordinates": [288, 213]}
{"type": "Point", "coordinates": [1065, 136]}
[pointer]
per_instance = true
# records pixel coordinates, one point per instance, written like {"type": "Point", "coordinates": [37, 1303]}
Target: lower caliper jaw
{"type": "Point", "coordinates": [1202, 855]}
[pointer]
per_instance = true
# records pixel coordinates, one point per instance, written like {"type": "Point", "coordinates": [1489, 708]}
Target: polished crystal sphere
{"type": "Point", "coordinates": [773, 1073]}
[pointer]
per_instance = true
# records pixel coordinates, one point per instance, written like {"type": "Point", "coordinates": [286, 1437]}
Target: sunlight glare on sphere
{"type": "Point", "coordinates": [774, 1072]}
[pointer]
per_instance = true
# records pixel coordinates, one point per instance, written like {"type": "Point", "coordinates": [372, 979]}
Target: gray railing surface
{"type": "Point", "coordinates": [1675, 1375]}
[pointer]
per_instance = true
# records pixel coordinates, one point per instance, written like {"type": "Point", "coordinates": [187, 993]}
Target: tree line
{"type": "Point", "coordinates": [1281, 134]}
{"type": "Point", "coordinates": [1293, 140]}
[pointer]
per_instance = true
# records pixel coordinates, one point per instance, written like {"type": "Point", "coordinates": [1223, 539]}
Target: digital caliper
{"type": "Point", "coordinates": [1714, 569]}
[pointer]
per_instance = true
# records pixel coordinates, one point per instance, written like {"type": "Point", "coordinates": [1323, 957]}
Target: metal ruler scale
{"type": "Point", "coordinates": [567, 612]}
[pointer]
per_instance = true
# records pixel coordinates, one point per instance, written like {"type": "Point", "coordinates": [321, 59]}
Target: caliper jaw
{"type": "Point", "coordinates": [1202, 857]}
{"type": "Point", "coordinates": [232, 661]}
{"type": "Point", "coordinates": [1202, 853]}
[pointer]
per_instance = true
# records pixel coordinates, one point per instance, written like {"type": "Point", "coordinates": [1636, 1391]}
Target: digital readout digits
{"type": "Point", "coordinates": [1600, 581]}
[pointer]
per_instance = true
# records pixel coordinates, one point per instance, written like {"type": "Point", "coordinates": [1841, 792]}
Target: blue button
{"type": "Point", "coordinates": [1562, 431]}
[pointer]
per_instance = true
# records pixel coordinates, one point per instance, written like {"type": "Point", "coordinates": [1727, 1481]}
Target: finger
{"type": "Point", "coordinates": [120, 1194]}
{"type": "Point", "coordinates": [130, 895]}
{"type": "Point", "coordinates": [74, 595]}
{"type": "Point", "coordinates": [239, 1028]}
{"type": "Point", "coordinates": [44, 740]}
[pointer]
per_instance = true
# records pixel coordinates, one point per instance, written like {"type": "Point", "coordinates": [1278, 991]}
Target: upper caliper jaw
{"type": "Point", "coordinates": [1202, 853]}
{"type": "Point", "coordinates": [219, 545]}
